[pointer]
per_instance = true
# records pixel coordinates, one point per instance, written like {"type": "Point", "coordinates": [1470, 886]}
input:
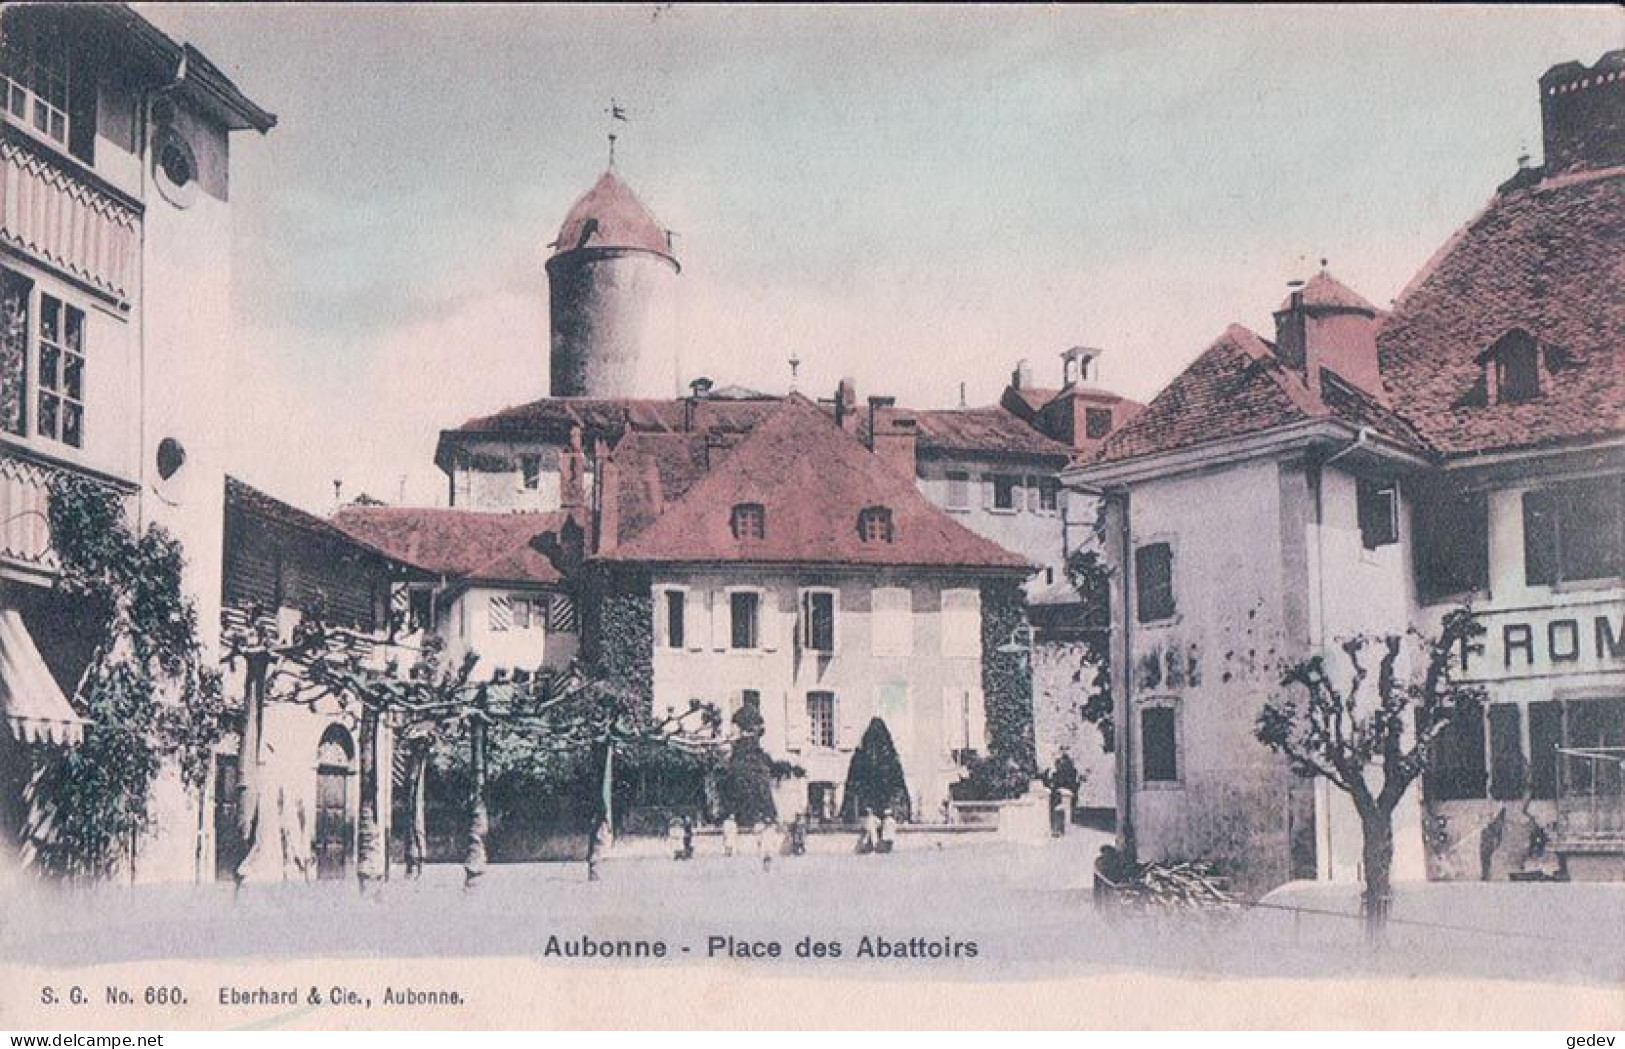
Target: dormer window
{"type": "Point", "coordinates": [1513, 362]}
{"type": "Point", "coordinates": [875, 524]}
{"type": "Point", "coordinates": [748, 521]}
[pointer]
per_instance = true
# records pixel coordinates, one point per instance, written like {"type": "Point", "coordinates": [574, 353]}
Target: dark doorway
{"type": "Point", "coordinates": [1301, 836]}
{"type": "Point", "coordinates": [334, 824]}
{"type": "Point", "coordinates": [229, 846]}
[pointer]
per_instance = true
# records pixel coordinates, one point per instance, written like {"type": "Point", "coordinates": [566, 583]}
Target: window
{"type": "Point", "coordinates": [744, 607]}
{"type": "Point", "coordinates": [1517, 368]}
{"type": "Point", "coordinates": [1377, 507]}
{"type": "Point", "coordinates": [1004, 491]}
{"type": "Point", "coordinates": [1049, 494]}
{"type": "Point", "coordinates": [530, 471]}
{"type": "Point", "coordinates": [61, 372]}
{"type": "Point", "coordinates": [1507, 766]}
{"type": "Point", "coordinates": [1593, 723]}
{"type": "Point", "coordinates": [1097, 422]}
{"type": "Point", "coordinates": [673, 602]}
{"type": "Point", "coordinates": [1154, 582]}
{"type": "Point", "coordinates": [893, 620]}
{"type": "Point", "coordinates": [875, 524]}
{"type": "Point", "coordinates": [517, 612]}
{"type": "Point", "coordinates": [821, 719]}
{"type": "Point", "coordinates": [1451, 531]}
{"type": "Point", "coordinates": [34, 78]}
{"type": "Point", "coordinates": [818, 620]}
{"type": "Point", "coordinates": [749, 521]}
{"type": "Point", "coordinates": [961, 623]}
{"type": "Point", "coordinates": [1545, 736]}
{"type": "Point", "coordinates": [1159, 744]}
{"type": "Point", "coordinates": [1458, 769]}
{"type": "Point", "coordinates": [499, 611]}
{"type": "Point", "coordinates": [521, 613]}
{"type": "Point", "coordinates": [420, 608]}
{"type": "Point", "coordinates": [1574, 531]}
{"type": "Point", "coordinates": [958, 490]}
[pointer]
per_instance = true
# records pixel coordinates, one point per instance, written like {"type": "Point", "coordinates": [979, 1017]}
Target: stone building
{"type": "Point", "coordinates": [115, 270]}
{"type": "Point", "coordinates": [1364, 472]}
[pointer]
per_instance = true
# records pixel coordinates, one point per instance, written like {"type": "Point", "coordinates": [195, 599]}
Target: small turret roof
{"type": "Point", "coordinates": [611, 216]}
{"type": "Point", "coordinates": [1326, 292]}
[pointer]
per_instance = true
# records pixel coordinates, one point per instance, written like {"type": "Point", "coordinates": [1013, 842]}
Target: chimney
{"type": "Point", "coordinates": [699, 390]}
{"type": "Point", "coordinates": [651, 482]}
{"type": "Point", "coordinates": [1079, 366]}
{"type": "Point", "coordinates": [1582, 114]}
{"type": "Point", "coordinates": [572, 473]}
{"type": "Point", "coordinates": [609, 504]}
{"type": "Point", "coordinates": [1326, 327]}
{"type": "Point", "coordinates": [1022, 377]}
{"type": "Point", "coordinates": [846, 404]}
{"type": "Point", "coordinates": [893, 435]}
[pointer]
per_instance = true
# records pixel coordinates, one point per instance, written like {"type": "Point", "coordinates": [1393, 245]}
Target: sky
{"type": "Point", "coordinates": [917, 198]}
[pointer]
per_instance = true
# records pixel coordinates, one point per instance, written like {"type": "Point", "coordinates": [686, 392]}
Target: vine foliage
{"type": "Point", "coordinates": [147, 689]}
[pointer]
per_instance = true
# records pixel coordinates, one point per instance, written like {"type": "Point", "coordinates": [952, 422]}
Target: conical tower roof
{"type": "Point", "coordinates": [611, 216]}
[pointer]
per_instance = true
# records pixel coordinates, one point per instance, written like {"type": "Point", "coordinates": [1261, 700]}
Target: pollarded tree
{"type": "Point", "coordinates": [1372, 747]}
{"type": "Point", "coordinates": [874, 779]}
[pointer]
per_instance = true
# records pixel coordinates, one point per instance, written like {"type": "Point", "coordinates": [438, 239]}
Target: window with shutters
{"type": "Point", "coordinates": [1160, 743]}
{"type": "Point", "coordinates": [1574, 532]}
{"type": "Point", "coordinates": [1508, 769]}
{"type": "Point", "coordinates": [744, 613]}
{"type": "Point", "coordinates": [818, 620]}
{"type": "Point", "coordinates": [1457, 771]}
{"type": "Point", "coordinates": [499, 614]}
{"type": "Point", "coordinates": [1450, 532]}
{"type": "Point", "coordinates": [821, 719]}
{"type": "Point", "coordinates": [1049, 495]}
{"type": "Point", "coordinates": [1589, 724]}
{"type": "Point", "coordinates": [749, 521]}
{"type": "Point", "coordinates": [1545, 736]}
{"type": "Point", "coordinates": [1377, 507]}
{"type": "Point", "coordinates": [1154, 582]}
{"type": "Point", "coordinates": [1006, 489]}
{"type": "Point", "coordinates": [892, 616]}
{"type": "Point", "coordinates": [673, 623]}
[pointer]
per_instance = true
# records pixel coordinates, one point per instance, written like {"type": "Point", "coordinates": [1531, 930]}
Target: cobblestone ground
{"type": "Point", "coordinates": [1028, 911]}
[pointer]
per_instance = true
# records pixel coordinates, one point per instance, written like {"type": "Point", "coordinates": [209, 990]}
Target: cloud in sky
{"type": "Point", "coordinates": [917, 198]}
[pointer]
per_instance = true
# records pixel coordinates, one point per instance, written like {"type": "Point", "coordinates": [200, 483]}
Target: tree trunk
{"type": "Point", "coordinates": [249, 786]}
{"type": "Point", "coordinates": [478, 815]}
{"type": "Point", "coordinates": [369, 844]}
{"type": "Point", "coordinates": [417, 836]}
{"type": "Point", "coordinates": [1377, 830]}
{"type": "Point", "coordinates": [603, 830]}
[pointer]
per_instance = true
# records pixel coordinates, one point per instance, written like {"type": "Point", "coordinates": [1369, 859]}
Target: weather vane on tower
{"type": "Point", "coordinates": [616, 111]}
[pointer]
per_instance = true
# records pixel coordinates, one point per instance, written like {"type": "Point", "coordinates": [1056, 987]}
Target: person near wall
{"type": "Point", "coordinates": [888, 833]}
{"type": "Point", "coordinates": [798, 835]}
{"type": "Point", "coordinates": [768, 843]}
{"type": "Point", "coordinates": [730, 835]}
{"type": "Point", "coordinates": [868, 829]}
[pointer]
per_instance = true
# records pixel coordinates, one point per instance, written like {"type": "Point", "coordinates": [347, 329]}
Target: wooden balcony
{"type": "Point", "coordinates": [65, 216]}
{"type": "Point", "coordinates": [25, 500]}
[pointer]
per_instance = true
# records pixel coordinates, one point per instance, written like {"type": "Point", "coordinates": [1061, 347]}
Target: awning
{"type": "Point", "coordinates": [33, 705]}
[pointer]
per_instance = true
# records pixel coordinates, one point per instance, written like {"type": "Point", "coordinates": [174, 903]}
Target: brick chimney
{"type": "Point", "coordinates": [1582, 115]}
{"type": "Point", "coordinates": [609, 504]}
{"type": "Point", "coordinates": [1325, 326]}
{"type": "Point", "coordinates": [846, 405]}
{"type": "Point", "coordinates": [893, 435]}
{"type": "Point", "coordinates": [1022, 377]}
{"type": "Point", "coordinates": [572, 473]}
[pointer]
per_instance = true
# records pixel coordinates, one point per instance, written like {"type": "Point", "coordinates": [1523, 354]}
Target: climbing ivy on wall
{"type": "Point", "coordinates": [146, 690]}
{"type": "Point", "coordinates": [1091, 577]}
{"type": "Point", "coordinates": [1007, 683]}
{"type": "Point", "coordinates": [618, 632]}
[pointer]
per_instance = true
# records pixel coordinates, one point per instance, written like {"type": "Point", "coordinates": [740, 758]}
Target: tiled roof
{"type": "Point", "coordinates": [610, 417]}
{"type": "Point", "coordinates": [462, 544]}
{"type": "Point", "coordinates": [654, 471]}
{"type": "Point", "coordinates": [1324, 291]}
{"type": "Point", "coordinates": [1031, 398]}
{"type": "Point", "coordinates": [1546, 258]}
{"type": "Point", "coordinates": [983, 430]}
{"type": "Point", "coordinates": [242, 497]}
{"type": "Point", "coordinates": [812, 479]}
{"type": "Point", "coordinates": [610, 215]}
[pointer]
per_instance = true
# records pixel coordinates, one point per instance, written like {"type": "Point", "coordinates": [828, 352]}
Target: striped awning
{"type": "Point", "coordinates": [34, 707]}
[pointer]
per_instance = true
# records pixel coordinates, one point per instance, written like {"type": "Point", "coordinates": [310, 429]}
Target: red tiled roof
{"type": "Point", "coordinates": [611, 216]}
{"type": "Point", "coordinates": [245, 498]}
{"type": "Point", "coordinates": [812, 478]}
{"type": "Point", "coordinates": [1546, 258]}
{"type": "Point", "coordinates": [475, 547]}
{"type": "Point", "coordinates": [1324, 291]}
{"type": "Point", "coordinates": [610, 417]}
{"type": "Point", "coordinates": [986, 430]}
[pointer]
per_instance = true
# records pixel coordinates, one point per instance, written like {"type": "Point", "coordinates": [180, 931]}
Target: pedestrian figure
{"type": "Point", "coordinates": [730, 835]}
{"type": "Point", "coordinates": [888, 832]}
{"type": "Point", "coordinates": [798, 835]}
{"type": "Point", "coordinates": [688, 838]}
{"type": "Point", "coordinates": [868, 828]}
{"type": "Point", "coordinates": [768, 842]}
{"type": "Point", "coordinates": [674, 838]}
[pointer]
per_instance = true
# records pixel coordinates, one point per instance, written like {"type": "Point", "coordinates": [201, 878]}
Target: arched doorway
{"type": "Point", "coordinates": [335, 823]}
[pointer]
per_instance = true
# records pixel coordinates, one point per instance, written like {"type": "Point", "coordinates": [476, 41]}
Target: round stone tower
{"type": "Point", "coordinates": [613, 284]}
